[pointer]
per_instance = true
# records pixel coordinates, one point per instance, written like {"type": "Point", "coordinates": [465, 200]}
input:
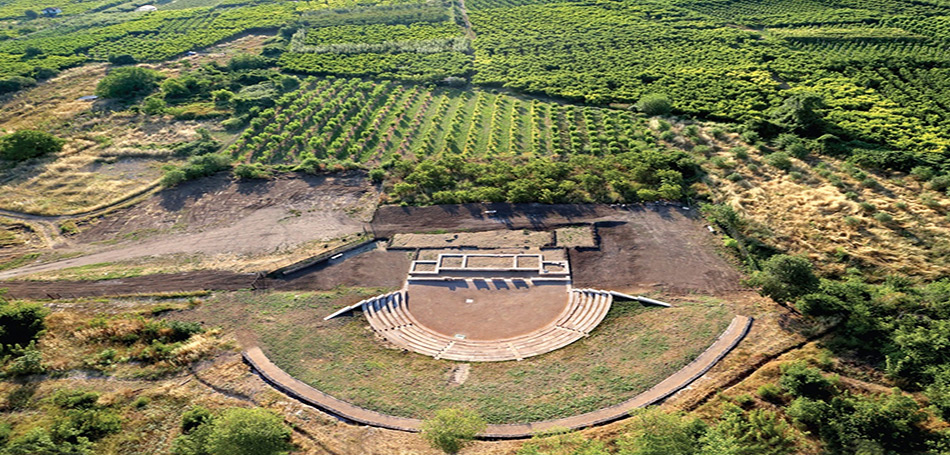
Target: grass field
{"type": "Point", "coordinates": [626, 355]}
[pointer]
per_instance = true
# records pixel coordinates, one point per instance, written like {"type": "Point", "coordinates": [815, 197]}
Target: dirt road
{"type": "Point", "coordinates": [221, 216]}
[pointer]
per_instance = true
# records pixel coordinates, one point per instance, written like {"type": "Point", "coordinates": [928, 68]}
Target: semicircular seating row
{"type": "Point", "coordinates": [389, 317]}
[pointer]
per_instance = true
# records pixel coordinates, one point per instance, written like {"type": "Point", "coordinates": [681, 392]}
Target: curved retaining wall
{"type": "Point", "coordinates": [728, 340]}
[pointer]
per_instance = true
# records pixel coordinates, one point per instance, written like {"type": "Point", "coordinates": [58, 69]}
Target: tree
{"type": "Point", "coordinates": [254, 431]}
{"type": "Point", "coordinates": [121, 59]}
{"type": "Point", "coordinates": [25, 144]}
{"type": "Point", "coordinates": [128, 82]}
{"type": "Point", "coordinates": [654, 104]}
{"type": "Point", "coordinates": [800, 113]}
{"type": "Point", "coordinates": [785, 278]}
{"type": "Point", "coordinates": [802, 380]}
{"type": "Point", "coordinates": [452, 429]}
{"type": "Point", "coordinates": [30, 14]}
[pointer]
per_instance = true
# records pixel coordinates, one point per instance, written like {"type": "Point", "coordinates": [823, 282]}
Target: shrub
{"type": "Point", "coordinates": [923, 173]}
{"type": "Point", "coordinates": [800, 112]}
{"type": "Point", "coordinates": [153, 105]}
{"type": "Point", "coordinates": [121, 59]}
{"type": "Point", "coordinates": [654, 104]}
{"type": "Point", "coordinates": [785, 278]}
{"type": "Point", "coordinates": [20, 323]}
{"type": "Point", "coordinates": [779, 160]}
{"type": "Point", "coordinates": [25, 144]}
{"type": "Point", "coordinates": [252, 431]}
{"type": "Point", "coordinates": [655, 432]}
{"type": "Point", "coordinates": [245, 61]}
{"type": "Point", "coordinates": [740, 153]}
{"type": "Point", "coordinates": [38, 441]}
{"type": "Point", "coordinates": [128, 82]}
{"type": "Point", "coordinates": [883, 217]}
{"type": "Point", "coordinates": [29, 361]}
{"type": "Point", "coordinates": [758, 432]}
{"type": "Point", "coordinates": [193, 418]}
{"type": "Point", "coordinates": [377, 175]}
{"type": "Point", "coordinates": [801, 380]}
{"type": "Point", "coordinates": [252, 171]}
{"type": "Point", "coordinates": [14, 83]}
{"type": "Point", "coordinates": [222, 98]}
{"type": "Point", "coordinates": [940, 183]}
{"type": "Point", "coordinates": [769, 392]}
{"type": "Point", "coordinates": [452, 429]}
{"type": "Point", "coordinates": [173, 176]}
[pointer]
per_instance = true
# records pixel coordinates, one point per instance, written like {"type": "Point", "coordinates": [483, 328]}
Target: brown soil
{"type": "Point", "coordinates": [654, 247]}
{"type": "Point", "coordinates": [220, 216]}
{"type": "Point", "coordinates": [151, 284]}
{"type": "Point", "coordinates": [486, 309]}
{"type": "Point", "coordinates": [390, 220]}
{"type": "Point", "coordinates": [488, 239]}
{"type": "Point", "coordinates": [375, 268]}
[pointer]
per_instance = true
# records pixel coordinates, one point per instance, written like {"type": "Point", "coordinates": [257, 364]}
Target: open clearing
{"type": "Point", "coordinates": [626, 354]}
{"type": "Point", "coordinates": [225, 221]}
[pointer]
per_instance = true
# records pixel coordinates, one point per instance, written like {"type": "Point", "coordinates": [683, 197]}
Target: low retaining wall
{"type": "Point", "coordinates": [728, 340]}
{"type": "Point", "coordinates": [324, 256]}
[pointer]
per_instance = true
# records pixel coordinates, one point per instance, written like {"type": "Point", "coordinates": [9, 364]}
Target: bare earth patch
{"type": "Point", "coordinates": [490, 239]}
{"type": "Point", "coordinates": [236, 225]}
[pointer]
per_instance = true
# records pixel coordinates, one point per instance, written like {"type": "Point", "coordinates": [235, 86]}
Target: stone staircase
{"type": "Point", "coordinates": [388, 315]}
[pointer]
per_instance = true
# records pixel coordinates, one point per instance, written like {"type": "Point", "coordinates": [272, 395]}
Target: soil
{"type": "Point", "coordinates": [219, 215]}
{"type": "Point", "coordinates": [151, 284]}
{"type": "Point", "coordinates": [377, 268]}
{"type": "Point", "coordinates": [655, 248]}
{"type": "Point", "coordinates": [490, 309]}
{"type": "Point", "coordinates": [390, 220]}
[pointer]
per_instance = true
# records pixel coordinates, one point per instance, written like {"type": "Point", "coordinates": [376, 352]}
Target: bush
{"type": "Point", "coordinates": [779, 160]}
{"type": "Point", "coordinates": [252, 171]}
{"type": "Point", "coordinates": [801, 380]}
{"type": "Point", "coordinates": [654, 104]}
{"type": "Point", "coordinates": [940, 183]}
{"type": "Point", "coordinates": [770, 392]}
{"type": "Point", "coordinates": [194, 418]}
{"type": "Point", "coordinates": [20, 324]}
{"type": "Point", "coordinates": [29, 361]}
{"type": "Point", "coordinates": [121, 59]}
{"type": "Point", "coordinates": [25, 144]}
{"type": "Point", "coordinates": [128, 82]}
{"type": "Point", "coordinates": [153, 105]}
{"type": "Point", "coordinates": [784, 278]}
{"type": "Point", "coordinates": [249, 432]}
{"type": "Point", "coordinates": [245, 61]}
{"type": "Point", "coordinates": [452, 429]}
{"type": "Point", "coordinates": [38, 441]}
{"type": "Point", "coordinates": [14, 83]}
{"type": "Point", "coordinates": [655, 432]}
{"type": "Point", "coordinates": [377, 175]}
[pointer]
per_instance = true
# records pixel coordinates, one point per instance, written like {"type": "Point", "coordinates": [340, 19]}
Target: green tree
{"type": "Point", "coordinates": [128, 82]}
{"type": "Point", "coordinates": [26, 144]}
{"type": "Point", "coordinates": [452, 429]}
{"type": "Point", "coordinates": [654, 104]}
{"type": "Point", "coordinates": [20, 323]}
{"type": "Point", "coordinates": [253, 431]}
{"type": "Point", "coordinates": [800, 112]}
{"type": "Point", "coordinates": [37, 441]}
{"type": "Point", "coordinates": [801, 380]}
{"type": "Point", "coordinates": [785, 278]}
{"type": "Point", "coordinates": [30, 14]}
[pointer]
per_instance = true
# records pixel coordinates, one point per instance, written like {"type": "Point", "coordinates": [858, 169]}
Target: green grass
{"type": "Point", "coordinates": [626, 355]}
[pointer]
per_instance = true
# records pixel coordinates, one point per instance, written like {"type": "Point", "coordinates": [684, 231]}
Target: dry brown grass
{"type": "Point", "coordinates": [809, 212]}
{"type": "Point", "coordinates": [108, 154]}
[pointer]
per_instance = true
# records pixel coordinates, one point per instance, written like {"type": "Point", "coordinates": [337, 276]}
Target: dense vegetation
{"type": "Point", "coordinates": [448, 145]}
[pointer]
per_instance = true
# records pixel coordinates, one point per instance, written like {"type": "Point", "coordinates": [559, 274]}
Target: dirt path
{"type": "Point", "coordinates": [220, 216]}
{"type": "Point", "coordinates": [150, 284]}
{"type": "Point", "coordinates": [713, 354]}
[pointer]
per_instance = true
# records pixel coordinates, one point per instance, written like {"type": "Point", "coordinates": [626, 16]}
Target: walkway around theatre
{"type": "Point", "coordinates": [731, 337]}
